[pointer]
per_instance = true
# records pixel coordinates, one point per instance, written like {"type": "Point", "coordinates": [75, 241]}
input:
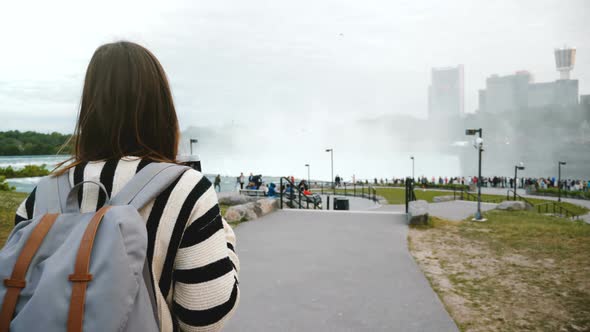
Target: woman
{"type": "Point", "coordinates": [126, 121]}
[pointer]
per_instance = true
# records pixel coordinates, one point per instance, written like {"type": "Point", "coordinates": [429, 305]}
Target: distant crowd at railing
{"type": "Point", "coordinates": [490, 182]}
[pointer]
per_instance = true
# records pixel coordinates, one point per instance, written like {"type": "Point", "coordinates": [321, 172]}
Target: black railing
{"type": "Point", "coordinates": [511, 194]}
{"type": "Point", "coordinates": [464, 195]}
{"type": "Point", "coordinates": [556, 208]}
{"type": "Point", "coordinates": [546, 207]}
{"type": "Point", "coordinates": [291, 196]}
{"type": "Point", "coordinates": [347, 189]}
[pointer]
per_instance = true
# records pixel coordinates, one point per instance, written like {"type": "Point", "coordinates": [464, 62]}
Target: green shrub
{"type": "Point", "coordinates": [569, 194]}
{"type": "Point", "coordinates": [26, 172]}
{"type": "Point", "coordinates": [4, 186]}
{"type": "Point", "coordinates": [17, 143]}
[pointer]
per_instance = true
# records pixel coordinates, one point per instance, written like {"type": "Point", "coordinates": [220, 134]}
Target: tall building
{"type": "Point", "coordinates": [585, 103]}
{"type": "Point", "coordinates": [518, 92]}
{"type": "Point", "coordinates": [565, 58]}
{"type": "Point", "coordinates": [505, 93]}
{"type": "Point", "coordinates": [445, 93]}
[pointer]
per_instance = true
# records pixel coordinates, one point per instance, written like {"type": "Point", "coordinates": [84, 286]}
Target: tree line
{"type": "Point", "coordinates": [17, 143]}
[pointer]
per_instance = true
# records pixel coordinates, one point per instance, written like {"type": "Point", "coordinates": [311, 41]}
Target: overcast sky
{"type": "Point", "coordinates": [233, 62]}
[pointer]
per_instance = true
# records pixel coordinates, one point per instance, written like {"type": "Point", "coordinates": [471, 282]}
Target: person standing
{"type": "Point", "coordinates": [217, 183]}
{"type": "Point", "coordinates": [241, 180]}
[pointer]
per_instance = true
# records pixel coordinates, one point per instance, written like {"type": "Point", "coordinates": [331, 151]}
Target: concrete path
{"type": "Point", "coordinates": [332, 271]}
{"type": "Point", "coordinates": [355, 203]}
{"type": "Point", "coordinates": [453, 210]}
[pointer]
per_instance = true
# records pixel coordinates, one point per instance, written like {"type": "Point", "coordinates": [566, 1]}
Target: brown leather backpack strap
{"type": "Point", "coordinates": [17, 282]}
{"type": "Point", "coordinates": [81, 275]}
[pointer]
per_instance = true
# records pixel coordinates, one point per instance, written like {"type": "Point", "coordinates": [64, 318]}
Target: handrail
{"type": "Point", "coordinates": [539, 207]}
{"type": "Point", "coordinates": [529, 203]}
{"type": "Point", "coordinates": [467, 196]}
{"type": "Point", "coordinates": [348, 189]}
{"type": "Point", "coordinates": [292, 195]}
{"type": "Point", "coordinates": [568, 213]}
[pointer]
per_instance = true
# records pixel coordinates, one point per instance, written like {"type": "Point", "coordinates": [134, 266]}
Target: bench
{"type": "Point", "coordinates": [252, 192]}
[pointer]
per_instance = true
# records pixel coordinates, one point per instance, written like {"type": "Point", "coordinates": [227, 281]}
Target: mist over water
{"type": "Point", "coordinates": [283, 149]}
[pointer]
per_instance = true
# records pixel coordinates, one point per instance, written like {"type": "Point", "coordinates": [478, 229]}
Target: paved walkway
{"type": "Point", "coordinates": [332, 271]}
{"type": "Point", "coordinates": [355, 203]}
{"type": "Point", "coordinates": [453, 210]}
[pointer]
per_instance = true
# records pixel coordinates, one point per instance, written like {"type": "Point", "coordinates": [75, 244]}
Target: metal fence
{"type": "Point", "coordinates": [410, 194]}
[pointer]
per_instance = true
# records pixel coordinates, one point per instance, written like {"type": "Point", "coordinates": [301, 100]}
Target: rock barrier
{"type": "Point", "coordinates": [418, 213]}
{"type": "Point", "coordinates": [251, 210]}
{"type": "Point", "coordinates": [512, 206]}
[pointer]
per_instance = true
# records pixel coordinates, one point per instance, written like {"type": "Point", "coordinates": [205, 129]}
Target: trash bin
{"type": "Point", "coordinates": [341, 204]}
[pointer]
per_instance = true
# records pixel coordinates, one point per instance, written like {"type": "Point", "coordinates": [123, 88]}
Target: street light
{"type": "Point", "coordinates": [332, 163]}
{"type": "Point", "coordinates": [193, 140]}
{"type": "Point", "coordinates": [479, 146]}
{"type": "Point", "coordinates": [308, 182]}
{"type": "Point", "coordinates": [559, 180]}
{"type": "Point", "coordinates": [412, 157]}
{"type": "Point", "coordinates": [516, 168]}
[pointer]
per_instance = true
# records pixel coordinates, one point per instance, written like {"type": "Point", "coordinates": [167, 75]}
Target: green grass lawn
{"type": "Point", "coordinates": [396, 195]}
{"type": "Point", "coordinates": [9, 202]}
{"type": "Point", "coordinates": [518, 271]}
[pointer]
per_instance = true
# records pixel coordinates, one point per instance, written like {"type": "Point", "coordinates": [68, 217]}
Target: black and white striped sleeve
{"type": "Point", "coordinates": [26, 208]}
{"type": "Point", "coordinates": [205, 269]}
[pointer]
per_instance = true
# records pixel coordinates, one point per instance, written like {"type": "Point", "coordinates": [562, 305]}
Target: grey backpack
{"type": "Point", "coordinates": [66, 270]}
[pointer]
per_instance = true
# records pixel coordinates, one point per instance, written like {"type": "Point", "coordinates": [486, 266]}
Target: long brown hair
{"type": "Point", "coordinates": [126, 108]}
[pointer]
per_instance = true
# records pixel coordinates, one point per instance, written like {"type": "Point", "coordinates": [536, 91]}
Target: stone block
{"type": "Point", "coordinates": [512, 206]}
{"type": "Point", "coordinates": [418, 213]}
{"type": "Point", "coordinates": [439, 199]}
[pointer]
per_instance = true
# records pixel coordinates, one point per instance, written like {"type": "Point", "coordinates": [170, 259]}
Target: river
{"type": "Point", "coordinates": [26, 185]}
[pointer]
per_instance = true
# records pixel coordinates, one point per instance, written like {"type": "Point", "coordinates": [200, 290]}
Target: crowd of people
{"type": "Point", "coordinates": [255, 182]}
{"type": "Point", "coordinates": [496, 182]}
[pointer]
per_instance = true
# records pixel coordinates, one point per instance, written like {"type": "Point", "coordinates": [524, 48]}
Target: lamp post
{"type": "Point", "coordinates": [479, 146]}
{"type": "Point", "coordinates": [412, 157]}
{"type": "Point", "coordinates": [516, 168]}
{"type": "Point", "coordinates": [332, 163]}
{"type": "Point", "coordinates": [559, 180]}
{"type": "Point", "coordinates": [308, 182]}
{"type": "Point", "coordinates": [193, 140]}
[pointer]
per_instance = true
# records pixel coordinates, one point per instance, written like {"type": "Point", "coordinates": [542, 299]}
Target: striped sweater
{"type": "Point", "coordinates": [190, 246]}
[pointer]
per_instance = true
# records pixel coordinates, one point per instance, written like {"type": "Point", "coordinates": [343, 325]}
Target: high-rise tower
{"type": "Point", "coordinates": [565, 58]}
